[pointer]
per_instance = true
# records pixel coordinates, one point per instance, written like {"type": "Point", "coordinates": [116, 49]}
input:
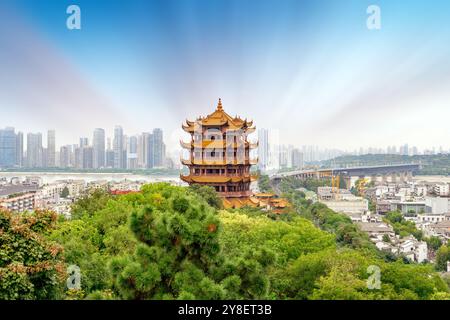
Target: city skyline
{"type": "Point", "coordinates": [90, 153]}
{"type": "Point", "coordinates": [148, 150]}
{"type": "Point", "coordinates": [315, 72]}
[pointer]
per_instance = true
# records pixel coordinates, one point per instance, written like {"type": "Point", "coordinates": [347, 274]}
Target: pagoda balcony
{"type": "Point", "coordinates": [219, 162]}
{"type": "Point", "coordinates": [214, 179]}
{"type": "Point", "coordinates": [217, 144]}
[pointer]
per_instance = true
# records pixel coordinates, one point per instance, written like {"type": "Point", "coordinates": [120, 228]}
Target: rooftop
{"type": "Point", "coordinates": [13, 189]}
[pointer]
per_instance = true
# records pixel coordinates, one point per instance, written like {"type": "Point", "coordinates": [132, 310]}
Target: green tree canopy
{"type": "Point", "coordinates": [30, 266]}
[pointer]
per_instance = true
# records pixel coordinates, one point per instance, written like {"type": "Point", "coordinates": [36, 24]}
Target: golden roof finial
{"type": "Point", "coordinates": [219, 105]}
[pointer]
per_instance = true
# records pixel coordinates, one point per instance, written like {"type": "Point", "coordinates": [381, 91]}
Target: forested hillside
{"type": "Point", "coordinates": [170, 242]}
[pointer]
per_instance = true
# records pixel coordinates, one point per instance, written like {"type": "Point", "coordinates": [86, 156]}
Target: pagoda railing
{"type": "Point", "coordinates": [236, 194]}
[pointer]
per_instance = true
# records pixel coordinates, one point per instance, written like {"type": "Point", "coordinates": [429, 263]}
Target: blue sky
{"type": "Point", "coordinates": [310, 69]}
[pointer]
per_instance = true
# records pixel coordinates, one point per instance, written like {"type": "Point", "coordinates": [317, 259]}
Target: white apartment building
{"type": "Point", "coordinates": [75, 187]}
{"type": "Point", "coordinates": [355, 205]}
{"type": "Point", "coordinates": [436, 205]}
{"type": "Point", "coordinates": [441, 189]}
{"type": "Point", "coordinates": [20, 203]}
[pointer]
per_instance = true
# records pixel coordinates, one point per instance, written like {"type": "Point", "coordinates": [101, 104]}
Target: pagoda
{"type": "Point", "coordinates": [219, 156]}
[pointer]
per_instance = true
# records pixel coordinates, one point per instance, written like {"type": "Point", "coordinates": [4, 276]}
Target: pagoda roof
{"type": "Point", "coordinates": [239, 202]}
{"type": "Point", "coordinates": [217, 119]}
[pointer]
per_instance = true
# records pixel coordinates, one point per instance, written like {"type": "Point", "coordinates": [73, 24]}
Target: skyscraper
{"type": "Point", "coordinates": [263, 149]}
{"type": "Point", "coordinates": [7, 147]}
{"type": "Point", "coordinates": [159, 148]}
{"type": "Point", "coordinates": [118, 147]}
{"type": "Point", "coordinates": [88, 157]}
{"type": "Point", "coordinates": [99, 148]}
{"type": "Point", "coordinates": [78, 157]}
{"type": "Point", "coordinates": [84, 142]}
{"type": "Point", "coordinates": [150, 151]}
{"type": "Point", "coordinates": [34, 150]}
{"type": "Point", "coordinates": [109, 157]}
{"type": "Point", "coordinates": [65, 156]}
{"type": "Point", "coordinates": [51, 149]}
{"type": "Point", "coordinates": [269, 150]}
{"type": "Point", "coordinates": [132, 154]}
{"type": "Point", "coordinates": [141, 150]}
{"type": "Point", "coordinates": [297, 158]}
{"type": "Point", "coordinates": [19, 149]}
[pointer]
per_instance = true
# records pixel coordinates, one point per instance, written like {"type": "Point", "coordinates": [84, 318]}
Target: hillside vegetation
{"type": "Point", "coordinates": [167, 242]}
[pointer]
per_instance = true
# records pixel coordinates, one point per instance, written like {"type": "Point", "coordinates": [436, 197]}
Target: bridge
{"type": "Point", "coordinates": [384, 172]}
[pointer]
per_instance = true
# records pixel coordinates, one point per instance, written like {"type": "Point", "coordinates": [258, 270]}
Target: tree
{"type": "Point", "coordinates": [434, 243]}
{"type": "Point", "coordinates": [30, 266]}
{"type": "Point", "coordinates": [264, 183]}
{"type": "Point", "coordinates": [91, 241]}
{"type": "Point", "coordinates": [442, 256]}
{"type": "Point", "coordinates": [209, 194]}
{"type": "Point", "coordinates": [90, 203]}
{"type": "Point", "coordinates": [65, 192]}
{"type": "Point", "coordinates": [178, 246]}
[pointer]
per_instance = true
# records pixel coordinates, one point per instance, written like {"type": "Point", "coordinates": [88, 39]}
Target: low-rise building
{"type": "Point", "coordinates": [19, 203]}
{"type": "Point", "coordinates": [440, 229]}
{"type": "Point", "coordinates": [349, 206]}
{"type": "Point", "coordinates": [408, 206]}
{"type": "Point", "coordinates": [383, 206]}
{"type": "Point", "coordinates": [377, 230]}
{"type": "Point", "coordinates": [441, 189]}
{"type": "Point", "coordinates": [413, 249]}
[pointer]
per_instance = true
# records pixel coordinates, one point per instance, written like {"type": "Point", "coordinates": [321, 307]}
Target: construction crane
{"type": "Point", "coordinates": [361, 185]}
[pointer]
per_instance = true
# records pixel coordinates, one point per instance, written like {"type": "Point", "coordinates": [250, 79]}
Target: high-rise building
{"type": "Point", "coordinates": [141, 150]}
{"type": "Point", "coordinates": [297, 159]}
{"type": "Point", "coordinates": [284, 157]}
{"type": "Point", "coordinates": [88, 157]}
{"type": "Point", "coordinates": [263, 149]}
{"type": "Point", "coordinates": [118, 148]}
{"type": "Point", "coordinates": [84, 142]}
{"type": "Point", "coordinates": [150, 151]}
{"type": "Point", "coordinates": [51, 149]}
{"type": "Point", "coordinates": [132, 153]}
{"type": "Point", "coordinates": [7, 147]}
{"type": "Point", "coordinates": [34, 150]}
{"type": "Point", "coordinates": [78, 155]}
{"type": "Point", "coordinates": [99, 148]}
{"type": "Point", "coordinates": [268, 150]}
{"type": "Point", "coordinates": [404, 150]}
{"type": "Point", "coordinates": [19, 149]}
{"type": "Point", "coordinates": [109, 157]}
{"type": "Point", "coordinates": [65, 156]}
{"type": "Point", "coordinates": [159, 149]}
{"type": "Point", "coordinates": [44, 157]}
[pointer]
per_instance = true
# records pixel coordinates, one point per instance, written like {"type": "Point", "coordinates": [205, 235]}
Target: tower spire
{"type": "Point", "coordinates": [219, 105]}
